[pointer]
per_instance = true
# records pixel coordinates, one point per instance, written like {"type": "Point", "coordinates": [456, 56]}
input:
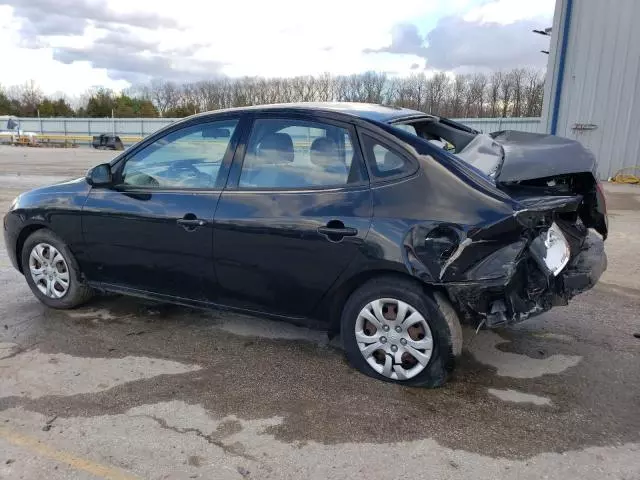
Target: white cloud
{"type": "Point", "coordinates": [510, 11]}
{"type": "Point", "coordinates": [22, 64]}
{"type": "Point", "coordinates": [124, 41]}
{"type": "Point", "coordinates": [494, 46]}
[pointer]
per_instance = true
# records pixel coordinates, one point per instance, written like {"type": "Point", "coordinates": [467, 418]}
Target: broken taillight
{"type": "Point", "coordinates": [601, 220]}
{"type": "Point", "coordinates": [602, 200]}
{"type": "Point", "coordinates": [551, 250]}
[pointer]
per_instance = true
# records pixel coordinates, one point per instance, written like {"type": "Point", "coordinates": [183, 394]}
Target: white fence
{"type": "Point", "coordinates": [488, 125]}
{"type": "Point", "coordinates": [136, 127]}
{"type": "Point", "coordinates": [141, 127]}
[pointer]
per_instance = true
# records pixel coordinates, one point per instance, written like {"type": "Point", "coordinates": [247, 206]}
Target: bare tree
{"type": "Point", "coordinates": [475, 95]}
{"type": "Point", "coordinates": [28, 96]}
{"type": "Point", "coordinates": [417, 86]}
{"type": "Point", "coordinates": [325, 87]}
{"type": "Point", "coordinates": [458, 92]}
{"type": "Point", "coordinates": [515, 93]}
{"type": "Point", "coordinates": [506, 93]}
{"type": "Point", "coordinates": [164, 95]}
{"type": "Point", "coordinates": [400, 93]}
{"type": "Point", "coordinates": [534, 92]}
{"type": "Point", "coordinates": [495, 84]}
{"type": "Point", "coordinates": [438, 90]}
{"type": "Point", "coordinates": [372, 87]}
{"type": "Point", "coordinates": [518, 78]}
{"type": "Point", "coordinates": [189, 97]}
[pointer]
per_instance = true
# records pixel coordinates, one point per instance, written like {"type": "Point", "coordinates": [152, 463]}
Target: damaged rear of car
{"type": "Point", "coordinates": [526, 228]}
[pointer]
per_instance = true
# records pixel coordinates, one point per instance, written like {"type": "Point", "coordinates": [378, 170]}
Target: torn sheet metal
{"type": "Point", "coordinates": [506, 279]}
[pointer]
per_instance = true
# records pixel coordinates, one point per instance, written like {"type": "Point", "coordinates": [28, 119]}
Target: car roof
{"type": "Point", "coordinates": [367, 111]}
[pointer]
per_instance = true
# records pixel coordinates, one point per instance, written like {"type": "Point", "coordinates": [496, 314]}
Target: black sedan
{"type": "Point", "coordinates": [386, 225]}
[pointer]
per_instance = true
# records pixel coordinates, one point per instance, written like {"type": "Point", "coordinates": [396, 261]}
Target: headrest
{"type": "Point", "coordinates": [275, 148]}
{"type": "Point", "coordinates": [323, 151]}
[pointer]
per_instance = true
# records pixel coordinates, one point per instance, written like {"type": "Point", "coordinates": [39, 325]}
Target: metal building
{"type": "Point", "coordinates": [593, 82]}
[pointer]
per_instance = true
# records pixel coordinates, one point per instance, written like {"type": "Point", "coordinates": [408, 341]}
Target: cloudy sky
{"type": "Point", "coordinates": [71, 45]}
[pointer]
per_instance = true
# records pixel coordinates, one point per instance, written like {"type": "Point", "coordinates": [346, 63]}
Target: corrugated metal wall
{"type": "Point", "coordinates": [144, 126]}
{"type": "Point", "coordinates": [600, 96]}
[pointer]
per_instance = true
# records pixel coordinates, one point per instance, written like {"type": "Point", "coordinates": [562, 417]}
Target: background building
{"type": "Point", "coordinates": [592, 92]}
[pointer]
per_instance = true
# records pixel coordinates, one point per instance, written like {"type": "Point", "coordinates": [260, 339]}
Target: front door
{"type": "Point", "coordinates": [294, 215]}
{"type": "Point", "coordinates": [152, 230]}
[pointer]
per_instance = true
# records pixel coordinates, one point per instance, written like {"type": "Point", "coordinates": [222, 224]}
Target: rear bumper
{"type": "Point", "coordinates": [529, 291]}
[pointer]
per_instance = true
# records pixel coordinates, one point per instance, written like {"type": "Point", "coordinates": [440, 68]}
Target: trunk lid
{"type": "Point", "coordinates": [538, 165]}
{"type": "Point", "coordinates": [529, 156]}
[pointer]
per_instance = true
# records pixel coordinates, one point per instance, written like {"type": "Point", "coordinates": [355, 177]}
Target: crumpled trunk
{"type": "Point", "coordinates": [536, 165]}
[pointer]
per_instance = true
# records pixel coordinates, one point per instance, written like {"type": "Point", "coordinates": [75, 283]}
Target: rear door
{"type": "Point", "coordinates": [295, 213]}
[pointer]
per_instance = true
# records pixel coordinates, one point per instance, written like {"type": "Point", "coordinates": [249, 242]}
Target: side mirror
{"type": "Point", "coordinates": [99, 176]}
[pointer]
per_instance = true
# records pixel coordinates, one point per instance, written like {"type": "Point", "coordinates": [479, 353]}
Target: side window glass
{"type": "Point", "coordinates": [383, 161]}
{"type": "Point", "coordinates": [186, 158]}
{"type": "Point", "coordinates": [299, 154]}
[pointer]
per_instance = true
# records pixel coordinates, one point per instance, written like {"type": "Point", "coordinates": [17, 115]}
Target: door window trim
{"type": "Point", "coordinates": [119, 163]}
{"type": "Point", "coordinates": [240, 154]}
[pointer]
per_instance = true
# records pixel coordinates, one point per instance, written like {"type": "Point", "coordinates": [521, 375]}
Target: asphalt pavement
{"type": "Point", "coordinates": [124, 388]}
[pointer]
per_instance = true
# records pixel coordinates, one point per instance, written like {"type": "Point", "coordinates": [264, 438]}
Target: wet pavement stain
{"type": "Point", "coordinates": [322, 399]}
{"type": "Point", "coordinates": [487, 348]}
{"type": "Point", "coordinates": [519, 397]}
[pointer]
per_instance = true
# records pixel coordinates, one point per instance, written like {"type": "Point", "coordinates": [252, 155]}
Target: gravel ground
{"type": "Point", "coordinates": [125, 389]}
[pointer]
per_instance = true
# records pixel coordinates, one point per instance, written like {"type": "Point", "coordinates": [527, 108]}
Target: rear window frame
{"type": "Point", "coordinates": [390, 144]}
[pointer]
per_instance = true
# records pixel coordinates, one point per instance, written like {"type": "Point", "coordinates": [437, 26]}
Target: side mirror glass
{"type": "Point", "coordinates": [99, 176]}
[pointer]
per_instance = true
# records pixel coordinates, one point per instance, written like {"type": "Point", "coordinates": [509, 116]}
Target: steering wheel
{"type": "Point", "coordinates": [183, 167]}
{"type": "Point", "coordinates": [185, 173]}
{"type": "Point", "coordinates": [141, 179]}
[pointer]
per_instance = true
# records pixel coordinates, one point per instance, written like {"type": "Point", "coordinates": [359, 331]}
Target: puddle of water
{"type": "Point", "coordinates": [257, 327]}
{"type": "Point", "coordinates": [519, 397]}
{"type": "Point", "coordinates": [34, 374]}
{"type": "Point", "coordinates": [554, 336]}
{"type": "Point", "coordinates": [483, 348]}
{"type": "Point", "coordinates": [101, 314]}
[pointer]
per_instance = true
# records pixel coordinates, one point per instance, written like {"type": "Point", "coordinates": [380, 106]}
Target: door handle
{"type": "Point", "coordinates": [335, 231]}
{"type": "Point", "coordinates": [189, 222]}
{"type": "Point", "coordinates": [341, 232]}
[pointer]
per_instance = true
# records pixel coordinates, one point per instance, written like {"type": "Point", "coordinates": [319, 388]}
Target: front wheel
{"type": "Point", "coordinates": [52, 272]}
{"type": "Point", "coordinates": [394, 331]}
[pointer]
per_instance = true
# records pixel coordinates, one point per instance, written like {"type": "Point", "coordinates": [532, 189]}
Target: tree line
{"type": "Point", "coordinates": [27, 100]}
{"type": "Point", "coordinates": [515, 93]}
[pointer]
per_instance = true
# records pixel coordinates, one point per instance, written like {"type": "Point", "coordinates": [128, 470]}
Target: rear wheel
{"type": "Point", "coordinates": [395, 331]}
{"type": "Point", "coordinates": [52, 272]}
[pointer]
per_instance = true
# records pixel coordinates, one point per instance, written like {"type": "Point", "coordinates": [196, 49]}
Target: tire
{"type": "Point", "coordinates": [438, 315]}
{"type": "Point", "coordinates": [76, 292]}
